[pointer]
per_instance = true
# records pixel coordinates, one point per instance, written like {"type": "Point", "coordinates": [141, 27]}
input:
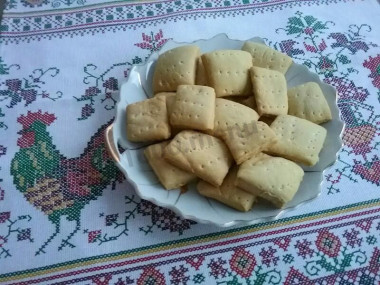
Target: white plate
{"type": "Point", "coordinates": [191, 205]}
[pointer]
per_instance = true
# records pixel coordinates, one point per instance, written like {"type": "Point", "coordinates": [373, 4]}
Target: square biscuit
{"type": "Point", "coordinates": [228, 193]}
{"type": "Point", "coordinates": [307, 101]}
{"type": "Point", "coordinates": [297, 139]}
{"type": "Point", "coordinates": [248, 140]}
{"type": "Point", "coordinates": [228, 72]}
{"type": "Point", "coordinates": [175, 67]}
{"type": "Point", "coordinates": [201, 77]}
{"type": "Point", "coordinates": [269, 88]}
{"type": "Point", "coordinates": [193, 108]}
{"type": "Point", "coordinates": [275, 179]}
{"type": "Point", "coordinates": [204, 155]}
{"type": "Point", "coordinates": [266, 57]}
{"type": "Point", "coordinates": [229, 114]}
{"type": "Point", "coordinates": [148, 120]}
{"type": "Point", "coordinates": [171, 177]}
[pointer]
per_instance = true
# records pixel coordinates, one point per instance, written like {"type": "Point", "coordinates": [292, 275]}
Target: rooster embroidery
{"type": "Point", "coordinates": [54, 184]}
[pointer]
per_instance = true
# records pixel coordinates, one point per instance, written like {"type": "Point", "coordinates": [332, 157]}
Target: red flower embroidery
{"type": "Point", "coordinates": [242, 262]}
{"type": "Point", "coordinates": [93, 235]}
{"type": "Point", "coordinates": [373, 64]}
{"type": "Point", "coordinates": [322, 46]}
{"type": "Point", "coordinates": [151, 276]}
{"type": "Point", "coordinates": [328, 243]}
{"type": "Point", "coordinates": [308, 31]}
{"type": "Point", "coordinates": [153, 42]}
{"type": "Point", "coordinates": [310, 48]}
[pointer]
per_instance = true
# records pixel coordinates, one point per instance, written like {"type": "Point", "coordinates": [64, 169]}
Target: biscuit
{"type": "Point", "coordinates": [171, 177]}
{"type": "Point", "coordinates": [246, 141]}
{"type": "Point", "coordinates": [297, 139]}
{"type": "Point", "coordinates": [266, 57]}
{"type": "Point", "coordinates": [228, 72]}
{"type": "Point", "coordinates": [269, 88]}
{"type": "Point", "coordinates": [229, 114]}
{"type": "Point", "coordinates": [175, 67]}
{"type": "Point", "coordinates": [204, 155]}
{"type": "Point", "coordinates": [148, 120]}
{"type": "Point", "coordinates": [194, 108]}
{"type": "Point", "coordinates": [228, 193]}
{"type": "Point", "coordinates": [275, 179]}
{"type": "Point", "coordinates": [307, 101]}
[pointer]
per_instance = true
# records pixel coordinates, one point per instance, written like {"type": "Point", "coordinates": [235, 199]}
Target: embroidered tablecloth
{"type": "Point", "coordinates": [67, 215]}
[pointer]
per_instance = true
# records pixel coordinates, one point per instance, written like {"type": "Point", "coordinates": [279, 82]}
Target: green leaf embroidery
{"type": "Point", "coordinates": [293, 30]}
{"type": "Point", "coordinates": [319, 26]}
{"type": "Point", "coordinates": [309, 20]}
{"type": "Point", "coordinates": [294, 21]}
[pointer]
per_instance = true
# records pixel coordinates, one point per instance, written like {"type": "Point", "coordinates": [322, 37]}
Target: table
{"type": "Point", "coordinates": [68, 216]}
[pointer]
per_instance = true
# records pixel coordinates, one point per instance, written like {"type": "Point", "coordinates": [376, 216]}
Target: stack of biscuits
{"type": "Point", "coordinates": [227, 119]}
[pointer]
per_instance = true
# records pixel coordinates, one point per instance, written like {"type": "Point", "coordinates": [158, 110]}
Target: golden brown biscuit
{"type": "Point", "coordinates": [297, 139]}
{"type": "Point", "coordinates": [266, 57]}
{"type": "Point", "coordinates": [275, 179]}
{"type": "Point", "coordinates": [229, 114]}
{"type": "Point", "coordinates": [175, 67]}
{"type": "Point", "coordinates": [228, 72]}
{"type": "Point", "coordinates": [269, 88]}
{"type": "Point", "coordinates": [171, 177]}
{"type": "Point", "coordinates": [194, 108]}
{"type": "Point", "coordinates": [148, 120]}
{"type": "Point", "coordinates": [204, 155]}
{"type": "Point", "coordinates": [307, 101]}
{"type": "Point", "coordinates": [228, 193]}
{"type": "Point", "coordinates": [248, 140]}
